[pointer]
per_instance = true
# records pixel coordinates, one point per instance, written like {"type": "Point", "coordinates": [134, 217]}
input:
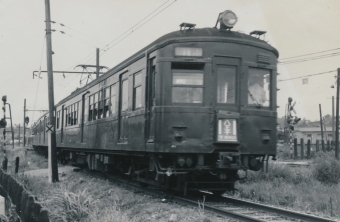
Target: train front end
{"type": "Point", "coordinates": [215, 105]}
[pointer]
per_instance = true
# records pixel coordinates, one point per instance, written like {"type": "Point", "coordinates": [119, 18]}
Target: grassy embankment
{"type": "Point", "coordinates": [309, 189]}
{"type": "Point", "coordinates": [80, 198]}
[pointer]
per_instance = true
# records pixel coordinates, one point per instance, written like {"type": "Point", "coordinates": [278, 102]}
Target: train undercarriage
{"type": "Point", "coordinates": [216, 172]}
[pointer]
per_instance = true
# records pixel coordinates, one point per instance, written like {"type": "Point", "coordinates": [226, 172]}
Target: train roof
{"type": "Point", "coordinates": [187, 35]}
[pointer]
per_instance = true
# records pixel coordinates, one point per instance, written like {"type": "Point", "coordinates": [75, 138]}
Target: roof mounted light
{"type": "Point", "coordinates": [227, 19]}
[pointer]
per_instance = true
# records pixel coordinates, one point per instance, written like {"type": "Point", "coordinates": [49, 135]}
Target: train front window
{"type": "Point", "coordinates": [187, 86]}
{"type": "Point", "coordinates": [259, 87]}
{"type": "Point", "coordinates": [226, 85]}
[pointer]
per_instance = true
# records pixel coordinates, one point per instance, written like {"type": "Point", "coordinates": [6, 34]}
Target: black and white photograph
{"type": "Point", "coordinates": [169, 110]}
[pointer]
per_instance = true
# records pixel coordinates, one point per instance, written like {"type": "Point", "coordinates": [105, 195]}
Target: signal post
{"type": "Point", "coordinates": [50, 129]}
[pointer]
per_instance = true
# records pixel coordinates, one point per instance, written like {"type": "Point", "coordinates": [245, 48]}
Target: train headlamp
{"type": "Point", "coordinates": [227, 19]}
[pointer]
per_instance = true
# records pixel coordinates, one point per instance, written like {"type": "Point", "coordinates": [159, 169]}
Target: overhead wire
{"type": "Point", "coordinates": [310, 54]}
{"type": "Point", "coordinates": [128, 32]}
{"type": "Point", "coordinates": [139, 22]}
{"type": "Point", "coordinates": [300, 77]}
{"type": "Point", "coordinates": [36, 94]}
{"type": "Point", "coordinates": [310, 58]}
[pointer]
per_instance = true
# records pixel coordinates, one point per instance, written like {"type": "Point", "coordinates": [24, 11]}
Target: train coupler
{"type": "Point", "coordinates": [229, 160]}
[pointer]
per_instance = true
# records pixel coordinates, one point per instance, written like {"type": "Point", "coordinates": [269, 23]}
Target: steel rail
{"type": "Point", "coordinates": [215, 210]}
{"type": "Point", "coordinates": [280, 211]}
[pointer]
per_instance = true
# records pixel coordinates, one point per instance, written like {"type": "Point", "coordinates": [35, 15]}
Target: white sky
{"type": "Point", "coordinates": [293, 27]}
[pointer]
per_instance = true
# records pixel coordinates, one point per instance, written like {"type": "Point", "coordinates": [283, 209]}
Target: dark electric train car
{"type": "Point", "coordinates": [186, 112]}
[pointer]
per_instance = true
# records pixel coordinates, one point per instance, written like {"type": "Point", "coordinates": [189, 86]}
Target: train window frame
{"type": "Point", "coordinates": [75, 115]}
{"type": "Point", "coordinates": [106, 99]}
{"type": "Point", "coordinates": [95, 106]}
{"type": "Point", "coordinates": [90, 107]}
{"type": "Point", "coordinates": [125, 95]}
{"type": "Point", "coordinates": [137, 91]}
{"type": "Point", "coordinates": [192, 86]}
{"type": "Point", "coordinates": [220, 66]}
{"type": "Point", "coordinates": [100, 104]}
{"type": "Point", "coordinates": [112, 100]}
{"type": "Point", "coordinates": [58, 119]}
{"type": "Point", "coordinates": [250, 97]}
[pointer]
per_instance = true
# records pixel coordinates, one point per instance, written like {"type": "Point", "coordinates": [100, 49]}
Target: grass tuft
{"type": "Point", "coordinates": [326, 168]}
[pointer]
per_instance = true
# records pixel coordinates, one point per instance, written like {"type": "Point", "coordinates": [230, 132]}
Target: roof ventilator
{"type": "Point", "coordinates": [258, 33]}
{"type": "Point", "coordinates": [187, 26]}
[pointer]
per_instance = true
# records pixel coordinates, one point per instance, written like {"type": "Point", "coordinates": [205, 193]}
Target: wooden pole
{"type": "Point", "coordinates": [295, 148]}
{"type": "Point", "coordinates": [97, 63]}
{"type": "Point", "coordinates": [302, 144]}
{"type": "Point", "coordinates": [337, 117]}
{"type": "Point", "coordinates": [52, 149]}
{"type": "Point", "coordinates": [19, 134]}
{"type": "Point", "coordinates": [24, 122]}
{"type": "Point", "coordinates": [333, 134]}
{"type": "Point", "coordinates": [321, 124]}
{"type": "Point", "coordinates": [308, 149]}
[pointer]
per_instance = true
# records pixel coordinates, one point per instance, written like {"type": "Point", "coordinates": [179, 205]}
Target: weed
{"type": "Point", "coordinates": [326, 168]}
{"type": "Point", "coordinates": [75, 206]}
{"type": "Point", "coordinates": [201, 206]}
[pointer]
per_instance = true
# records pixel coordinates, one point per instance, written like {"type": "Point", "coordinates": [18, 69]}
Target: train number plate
{"type": "Point", "coordinates": [227, 130]}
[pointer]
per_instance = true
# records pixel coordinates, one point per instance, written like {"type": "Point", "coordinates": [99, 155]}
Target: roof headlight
{"type": "Point", "coordinates": [227, 19]}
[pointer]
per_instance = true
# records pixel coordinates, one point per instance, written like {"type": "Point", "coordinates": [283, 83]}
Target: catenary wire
{"type": "Point", "coordinates": [315, 74]}
{"type": "Point", "coordinates": [310, 59]}
{"type": "Point", "coordinates": [310, 54]}
{"type": "Point", "coordinates": [131, 31]}
{"type": "Point", "coordinates": [36, 94]}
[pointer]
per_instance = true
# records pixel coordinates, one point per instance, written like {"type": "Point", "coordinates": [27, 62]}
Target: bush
{"type": "Point", "coordinates": [326, 168]}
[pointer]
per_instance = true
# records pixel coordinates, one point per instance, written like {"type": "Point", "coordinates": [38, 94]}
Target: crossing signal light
{"type": "Point", "coordinates": [291, 127]}
{"type": "Point", "coordinates": [3, 123]}
{"type": "Point", "coordinates": [27, 119]}
{"type": "Point", "coordinates": [296, 120]}
{"type": "Point", "coordinates": [289, 120]}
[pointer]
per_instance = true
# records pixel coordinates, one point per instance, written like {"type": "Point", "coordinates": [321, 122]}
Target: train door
{"type": "Point", "coordinates": [150, 102]}
{"type": "Point", "coordinates": [227, 108]}
{"type": "Point", "coordinates": [62, 125]}
{"type": "Point", "coordinates": [123, 107]}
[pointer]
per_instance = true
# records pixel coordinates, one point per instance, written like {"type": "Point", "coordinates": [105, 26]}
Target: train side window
{"type": "Point", "coordinates": [90, 107]}
{"type": "Point", "coordinates": [75, 115]}
{"type": "Point", "coordinates": [95, 106]}
{"type": "Point", "coordinates": [58, 119]}
{"type": "Point", "coordinates": [70, 115]}
{"type": "Point", "coordinates": [226, 84]}
{"type": "Point", "coordinates": [106, 102]}
{"type": "Point", "coordinates": [125, 94]}
{"type": "Point", "coordinates": [259, 87]}
{"type": "Point", "coordinates": [137, 91]}
{"type": "Point", "coordinates": [112, 101]}
{"type": "Point", "coordinates": [187, 86]}
{"type": "Point", "coordinates": [100, 105]}
{"type": "Point", "coordinates": [66, 116]}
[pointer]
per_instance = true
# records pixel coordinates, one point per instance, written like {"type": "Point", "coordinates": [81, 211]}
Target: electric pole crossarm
{"type": "Point", "coordinates": [69, 72]}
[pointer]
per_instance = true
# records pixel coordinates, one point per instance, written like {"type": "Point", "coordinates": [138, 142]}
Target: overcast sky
{"type": "Point", "coordinates": [293, 27]}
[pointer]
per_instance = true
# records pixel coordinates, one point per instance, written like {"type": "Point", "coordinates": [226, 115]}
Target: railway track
{"type": "Point", "coordinates": [226, 207]}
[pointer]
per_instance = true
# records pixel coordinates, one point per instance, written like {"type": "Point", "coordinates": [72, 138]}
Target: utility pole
{"type": "Point", "coordinates": [97, 65]}
{"type": "Point", "coordinates": [52, 149]}
{"type": "Point", "coordinates": [24, 122]}
{"type": "Point", "coordinates": [333, 118]}
{"type": "Point", "coordinates": [321, 123]}
{"type": "Point", "coordinates": [19, 134]}
{"type": "Point", "coordinates": [337, 117]}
